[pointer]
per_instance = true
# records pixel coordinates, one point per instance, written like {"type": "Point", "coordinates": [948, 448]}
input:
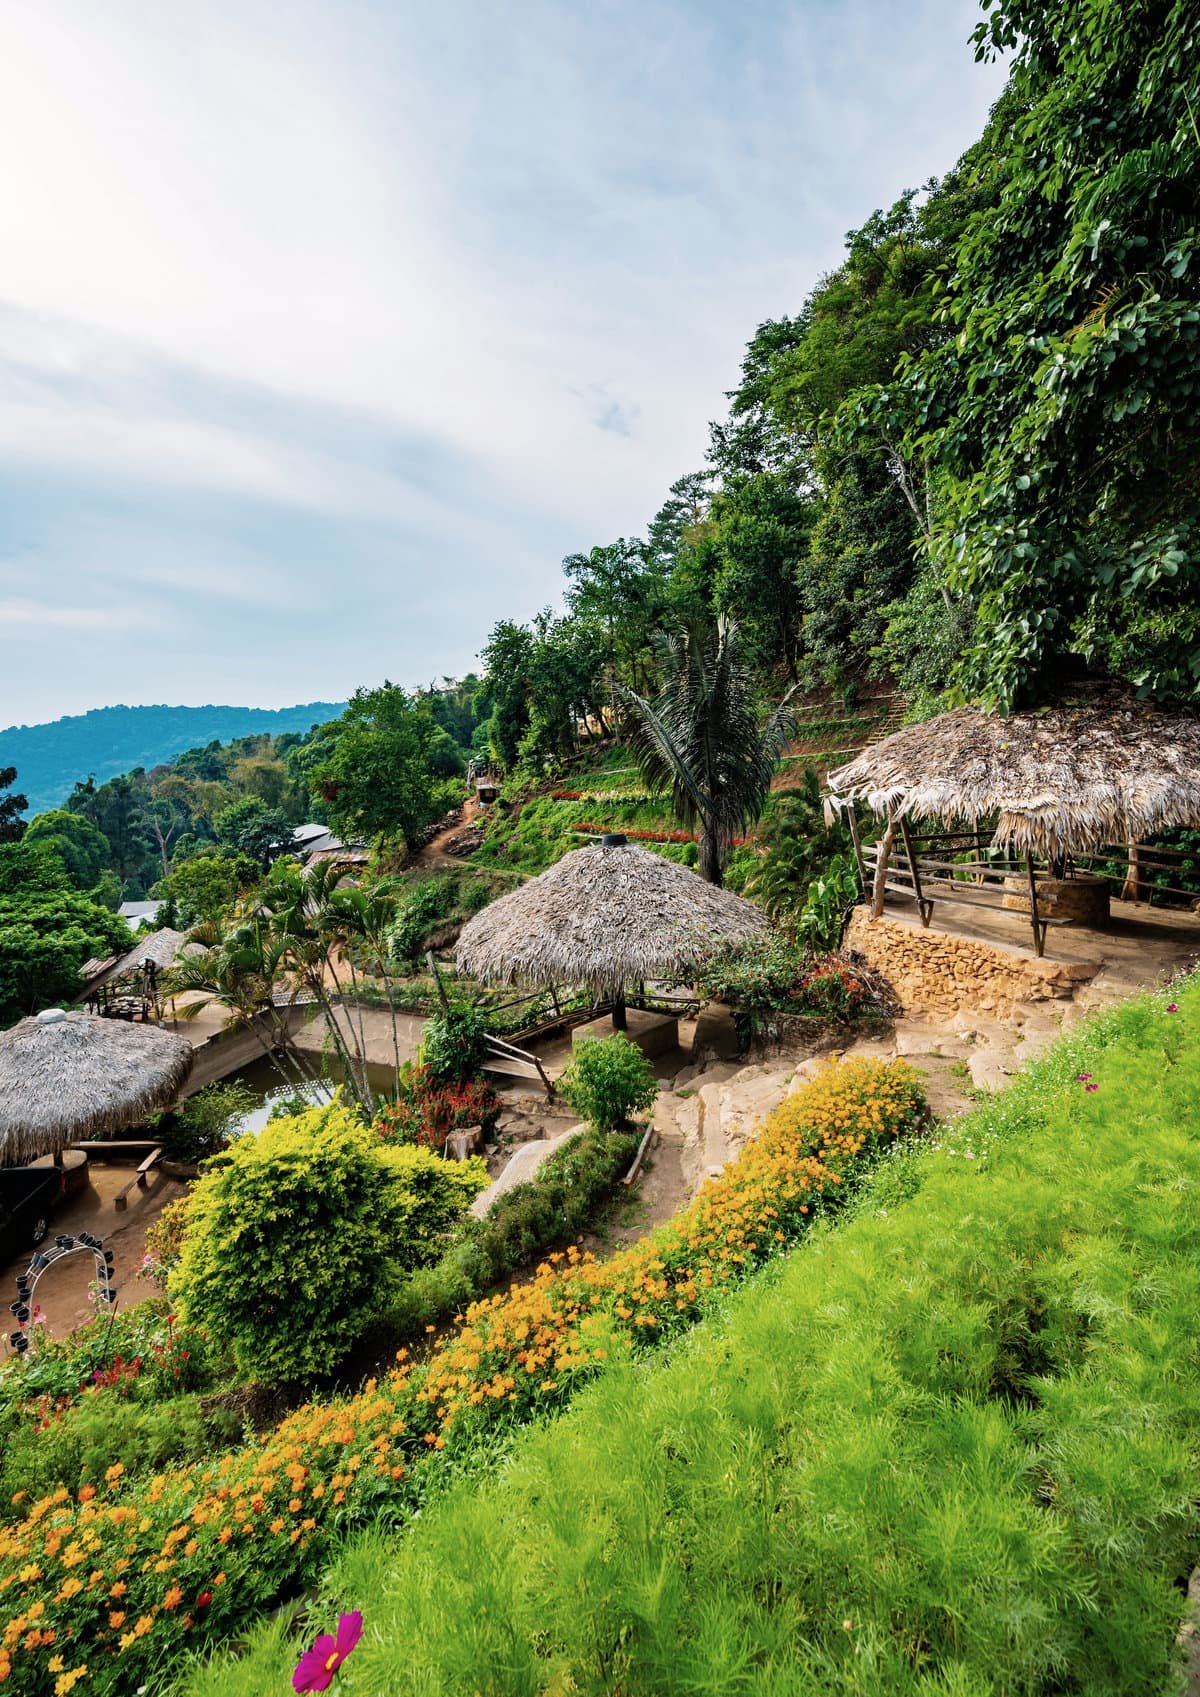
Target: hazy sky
{"type": "Point", "coordinates": [328, 328]}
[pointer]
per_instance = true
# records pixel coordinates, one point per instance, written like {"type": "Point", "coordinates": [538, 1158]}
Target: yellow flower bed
{"type": "Point", "coordinates": [95, 1586]}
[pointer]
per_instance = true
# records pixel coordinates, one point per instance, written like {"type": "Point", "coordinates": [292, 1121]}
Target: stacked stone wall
{"type": "Point", "coordinates": [938, 973]}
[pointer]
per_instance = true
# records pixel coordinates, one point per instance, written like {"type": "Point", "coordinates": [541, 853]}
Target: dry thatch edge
{"type": "Point", "coordinates": [82, 1077]}
{"type": "Point", "coordinates": [602, 916]}
{"type": "Point", "coordinates": [1098, 767]}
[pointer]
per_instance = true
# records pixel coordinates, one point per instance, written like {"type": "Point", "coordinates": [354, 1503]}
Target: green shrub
{"type": "Point", "coordinates": [297, 1238]}
{"type": "Point", "coordinates": [204, 1123]}
{"type": "Point", "coordinates": [427, 902]}
{"type": "Point", "coordinates": [455, 1046]}
{"type": "Point", "coordinates": [560, 1201]}
{"type": "Point", "coordinates": [608, 1079]}
{"type": "Point", "coordinates": [98, 1432]}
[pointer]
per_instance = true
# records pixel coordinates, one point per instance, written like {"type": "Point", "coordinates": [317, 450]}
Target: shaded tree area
{"type": "Point", "coordinates": [48, 929]}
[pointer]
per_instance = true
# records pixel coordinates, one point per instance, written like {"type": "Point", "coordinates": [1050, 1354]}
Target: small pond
{"type": "Point", "coordinates": [264, 1080]}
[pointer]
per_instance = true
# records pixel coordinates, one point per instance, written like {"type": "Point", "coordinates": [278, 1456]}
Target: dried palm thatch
{"type": "Point", "coordinates": [603, 915]}
{"type": "Point", "coordinates": [160, 946]}
{"type": "Point", "coordinates": [64, 1076]}
{"type": "Point", "coordinates": [1097, 766]}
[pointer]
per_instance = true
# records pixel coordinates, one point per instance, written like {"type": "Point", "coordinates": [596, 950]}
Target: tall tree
{"type": "Point", "coordinates": [377, 782]}
{"type": "Point", "coordinates": [11, 807]}
{"type": "Point", "coordinates": [705, 740]}
{"type": "Point", "coordinates": [1061, 408]}
{"type": "Point", "coordinates": [82, 848]}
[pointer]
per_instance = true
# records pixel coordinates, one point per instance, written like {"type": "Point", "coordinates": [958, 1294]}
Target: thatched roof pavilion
{"type": "Point", "coordinates": [161, 947]}
{"type": "Point", "coordinates": [1098, 766]}
{"type": "Point", "coordinates": [601, 916]}
{"type": "Point", "coordinates": [65, 1076]}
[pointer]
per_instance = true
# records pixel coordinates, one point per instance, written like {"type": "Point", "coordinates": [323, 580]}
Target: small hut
{"type": "Point", "coordinates": [129, 983]}
{"type": "Point", "coordinates": [1095, 767]}
{"type": "Point", "coordinates": [603, 916]}
{"type": "Point", "coordinates": [66, 1076]}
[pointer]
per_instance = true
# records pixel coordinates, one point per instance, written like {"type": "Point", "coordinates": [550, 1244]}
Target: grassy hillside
{"type": "Point", "coordinates": [51, 758]}
{"type": "Point", "coordinates": [948, 1448]}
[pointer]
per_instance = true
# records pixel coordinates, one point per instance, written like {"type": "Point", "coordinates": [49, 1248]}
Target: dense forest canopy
{"type": "Point", "coordinates": [109, 741]}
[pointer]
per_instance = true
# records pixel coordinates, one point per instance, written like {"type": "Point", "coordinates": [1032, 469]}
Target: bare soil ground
{"type": "Point", "coordinates": [63, 1291]}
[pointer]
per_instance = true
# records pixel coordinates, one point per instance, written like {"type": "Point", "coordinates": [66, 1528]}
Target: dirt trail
{"type": "Point", "coordinates": [434, 853]}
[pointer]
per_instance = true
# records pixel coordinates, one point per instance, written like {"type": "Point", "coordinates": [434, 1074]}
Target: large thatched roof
{"type": "Point", "coordinates": [65, 1076]}
{"type": "Point", "coordinates": [1097, 766]}
{"type": "Point", "coordinates": [159, 946]}
{"type": "Point", "coordinates": [603, 915]}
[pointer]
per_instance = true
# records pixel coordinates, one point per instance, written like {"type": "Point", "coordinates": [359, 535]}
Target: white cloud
{"type": "Point", "coordinates": [524, 242]}
{"type": "Point", "coordinates": [21, 613]}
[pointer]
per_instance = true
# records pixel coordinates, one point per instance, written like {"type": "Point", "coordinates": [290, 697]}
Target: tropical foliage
{"type": "Point", "coordinates": [703, 737]}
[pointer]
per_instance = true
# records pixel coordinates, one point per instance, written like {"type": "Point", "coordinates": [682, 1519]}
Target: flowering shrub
{"type": "Point", "coordinates": [777, 974]}
{"type": "Point", "coordinates": [832, 988]}
{"type": "Point", "coordinates": [298, 1235]}
{"type": "Point", "coordinates": [119, 1577]}
{"type": "Point", "coordinates": [425, 1112]}
{"type": "Point", "coordinates": [648, 836]}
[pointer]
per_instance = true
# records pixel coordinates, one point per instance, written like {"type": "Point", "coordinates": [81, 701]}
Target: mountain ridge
{"type": "Point", "coordinates": [106, 741]}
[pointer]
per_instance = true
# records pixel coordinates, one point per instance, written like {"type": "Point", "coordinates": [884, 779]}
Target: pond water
{"type": "Point", "coordinates": [264, 1080]}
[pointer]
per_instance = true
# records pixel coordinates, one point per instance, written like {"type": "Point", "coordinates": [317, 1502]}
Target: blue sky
{"type": "Point", "coordinates": [327, 329]}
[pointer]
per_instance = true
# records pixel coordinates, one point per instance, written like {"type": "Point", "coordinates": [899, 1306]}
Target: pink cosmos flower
{"type": "Point", "coordinates": [1082, 1077]}
{"type": "Point", "coordinates": [1091, 1087]}
{"type": "Point", "coordinates": [1172, 1007]}
{"type": "Point", "coordinates": [316, 1667]}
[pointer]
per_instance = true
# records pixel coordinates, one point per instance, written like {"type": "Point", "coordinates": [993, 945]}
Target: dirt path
{"type": "Point", "coordinates": [434, 852]}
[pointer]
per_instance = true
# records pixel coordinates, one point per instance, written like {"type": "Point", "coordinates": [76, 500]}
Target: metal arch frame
{"type": "Point", "coordinates": [27, 1282]}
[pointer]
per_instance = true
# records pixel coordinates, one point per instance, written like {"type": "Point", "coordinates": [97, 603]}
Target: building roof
{"type": "Point", "coordinates": [1095, 766]}
{"type": "Point", "coordinates": [603, 915]}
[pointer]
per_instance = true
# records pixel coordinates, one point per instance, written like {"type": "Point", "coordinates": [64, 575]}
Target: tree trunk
{"type": "Point", "coordinates": [883, 856]}
{"type": "Point", "coordinates": [711, 861]}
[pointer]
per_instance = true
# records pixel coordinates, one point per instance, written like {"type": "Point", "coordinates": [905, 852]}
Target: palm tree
{"type": "Point", "coordinates": [241, 967]}
{"type": "Point", "coordinates": [703, 737]}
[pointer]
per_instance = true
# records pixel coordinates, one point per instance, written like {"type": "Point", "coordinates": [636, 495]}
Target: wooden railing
{"type": "Point", "coordinates": [957, 867]}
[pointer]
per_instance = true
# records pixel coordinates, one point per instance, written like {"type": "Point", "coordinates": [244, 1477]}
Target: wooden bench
{"type": "Point", "coordinates": [140, 1178]}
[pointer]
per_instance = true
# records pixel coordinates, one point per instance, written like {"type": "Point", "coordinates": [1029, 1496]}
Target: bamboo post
{"type": "Point", "coordinates": [1133, 890]}
{"type": "Point", "coordinates": [437, 979]}
{"type": "Point", "coordinates": [924, 908]}
{"type": "Point", "coordinates": [857, 841]}
{"type": "Point", "coordinates": [1039, 936]}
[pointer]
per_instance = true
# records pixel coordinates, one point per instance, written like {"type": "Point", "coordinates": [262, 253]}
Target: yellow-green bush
{"type": "Point", "coordinates": [298, 1236]}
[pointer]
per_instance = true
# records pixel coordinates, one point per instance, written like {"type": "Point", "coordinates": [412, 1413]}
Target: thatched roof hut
{"type": "Point", "coordinates": [64, 1076]}
{"type": "Point", "coordinates": [161, 947]}
{"type": "Point", "coordinates": [603, 915]}
{"type": "Point", "coordinates": [1097, 766]}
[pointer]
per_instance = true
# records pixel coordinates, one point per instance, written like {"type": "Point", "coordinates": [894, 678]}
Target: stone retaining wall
{"type": "Point", "coordinates": [933, 972]}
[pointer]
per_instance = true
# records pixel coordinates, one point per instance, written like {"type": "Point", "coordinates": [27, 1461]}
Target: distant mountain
{"type": "Point", "coordinates": [51, 759]}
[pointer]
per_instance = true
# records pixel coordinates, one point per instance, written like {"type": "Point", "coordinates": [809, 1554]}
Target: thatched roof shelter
{"type": "Point", "coordinates": [161, 947]}
{"type": "Point", "coordinates": [603, 915]}
{"type": "Point", "coordinates": [65, 1076]}
{"type": "Point", "coordinates": [1097, 766]}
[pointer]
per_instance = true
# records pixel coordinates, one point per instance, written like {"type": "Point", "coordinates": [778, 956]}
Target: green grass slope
{"type": "Point", "coordinates": [946, 1448]}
